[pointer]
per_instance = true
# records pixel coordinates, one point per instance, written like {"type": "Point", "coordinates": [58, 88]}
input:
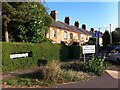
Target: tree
{"type": "Point", "coordinates": [6, 17]}
{"type": "Point", "coordinates": [29, 23]}
{"type": "Point", "coordinates": [92, 41]}
{"type": "Point", "coordinates": [106, 38]}
{"type": "Point", "coordinates": [116, 36]}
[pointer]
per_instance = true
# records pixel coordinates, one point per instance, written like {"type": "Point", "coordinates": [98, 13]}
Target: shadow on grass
{"type": "Point", "coordinates": [76, 66]}
{"type": "Point", "coordinates": [33, 75]}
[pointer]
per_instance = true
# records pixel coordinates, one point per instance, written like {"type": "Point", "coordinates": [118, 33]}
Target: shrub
{"type": "Point", "coordinates": [96, 66]}
{"type": "Point", "coordinates": [51, 72]}
{"type": "Point", "coordinates": [39, 52]}
{"type": "Point", "coordinates": [9, 64]}
{"type": "Point", "coordinates": [76, 65]}
{"type": "Point", "coordinates": [70, 76]}
{"type": "Point", "coordinates": [75, 52]}
{"type": "Point", "coordinates": [42, 51]}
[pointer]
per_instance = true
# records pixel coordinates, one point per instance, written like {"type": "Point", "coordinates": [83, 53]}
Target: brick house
{"type": "Point", "coordinates": [63, 32]}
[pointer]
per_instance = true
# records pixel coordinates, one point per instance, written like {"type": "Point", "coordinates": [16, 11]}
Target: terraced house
{"type": "Point", "coordinates": [63, 32]}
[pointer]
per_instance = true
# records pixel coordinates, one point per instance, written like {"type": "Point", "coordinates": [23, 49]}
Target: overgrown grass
{"type": "Point", "coordinates": [18, 81]}
{"type": "Point", "coordinates": [48, 75]}
{"type": "Point", "coordinates": [95, 66]}
{"type": "Point", "coordinates": [54, 73]}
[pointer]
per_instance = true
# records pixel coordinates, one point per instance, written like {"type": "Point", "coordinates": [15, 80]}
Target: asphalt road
{"type": "Point", "coordinates": [104, 81]}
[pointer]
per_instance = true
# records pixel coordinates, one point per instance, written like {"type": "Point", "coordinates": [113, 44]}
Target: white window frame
{"type": "Point", "coordinates": [71, 35]}
{"type": "Point", "coordinates": [65, 35]}
{"type": "Point", "coordinates": [54, 33]}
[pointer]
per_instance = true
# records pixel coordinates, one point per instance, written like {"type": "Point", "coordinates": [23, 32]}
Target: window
{"type": "Point", "coordinates": [86, 38]}
{"type": "Point", "coordinates": [54, 33]}
{"type": "Point", "coordinates": [82, 38]}
{"type": "Point", "coordinates": [79, 36]}
{"type": "Point", "coordinates": [65, 35]}
{"type": "Point", "coordinates": [71, 36]}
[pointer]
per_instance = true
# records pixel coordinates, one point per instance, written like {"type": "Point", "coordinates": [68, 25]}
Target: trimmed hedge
{"type": "Point", "coordinates": [75, 52]}
{"type": "Point", "coordinates": [43, 51]}
{"type": "Point", "coordinates": [40, 52]}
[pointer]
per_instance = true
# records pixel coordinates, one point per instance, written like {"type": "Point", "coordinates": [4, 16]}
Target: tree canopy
{"type": "Point", "coordinates": [106, 38]}
{"type": "Point", "coordinates": [116, 36]}
{"type": "Point", "coordinates": [92, 41]}
{"type": "Point", "coordinates": [25, 21]}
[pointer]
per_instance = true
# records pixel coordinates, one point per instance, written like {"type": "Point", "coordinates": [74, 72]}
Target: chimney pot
{"type": "Point", "coordinates": [92, 30]}
{"type": "Point", "coordinates": [67, 20]}
{"type": "Point", "coordinates": [84, 26]}
{"type": "Point", "coordinates": [77, 24]}
{"type": "Point", "coordinates": [54, 15]}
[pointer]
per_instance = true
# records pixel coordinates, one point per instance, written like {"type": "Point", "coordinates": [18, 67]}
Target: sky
{"type": "Point", "coordinates": [93, 14]}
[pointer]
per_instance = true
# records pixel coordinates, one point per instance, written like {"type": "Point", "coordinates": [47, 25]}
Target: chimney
{"type": "Point", "coordinates": [84, 26]}
{"type": "Point", "coordinates": [92, 30]}
{"type": "Point", "coordinates": [67, 20]}
{"type": "Point", "coordinates": [54, 15]}
{"type": "Point", "coordinates": [101, 33]}
{"type": "Point", "coordinates": [77, 24]}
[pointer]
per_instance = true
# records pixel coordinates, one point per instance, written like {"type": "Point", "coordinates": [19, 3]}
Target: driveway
{"type": "Point", "coordinates": [108, 80]}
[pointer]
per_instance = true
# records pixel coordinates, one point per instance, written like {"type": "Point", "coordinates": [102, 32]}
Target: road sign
{"type": "Point", "coordinates": [88, 49]}
{"type": "Point", "coordinates": [96, 34]}
{"type": "Point", "coordinates": [18, 55]}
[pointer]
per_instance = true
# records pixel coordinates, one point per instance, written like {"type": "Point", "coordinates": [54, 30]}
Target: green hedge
{"type": "Point", "coordinates": [43, 51]}
{"type": "Point", "coordinates": [75, 52]}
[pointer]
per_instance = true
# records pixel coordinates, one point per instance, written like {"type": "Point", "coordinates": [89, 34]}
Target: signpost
{"type": "Point", "coordinates": [88, 49]}
{"type": "Point", "coordinates": [97, 35]}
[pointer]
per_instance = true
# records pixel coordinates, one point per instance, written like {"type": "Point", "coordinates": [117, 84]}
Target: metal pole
{"type": "Point", "coordinates": [93, 55]}
{"type": "Point", "coordinates": [110, 35]}
{"type": "Point", "coordinates": [84, 58]}
{"type": "Point", "coordinates": [96, 46]}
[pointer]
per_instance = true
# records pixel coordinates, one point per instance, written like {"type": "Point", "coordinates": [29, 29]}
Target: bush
{"type": "Point", "coordinates": [39, 52]}
{"type": "Point", "coordinates": [53, 73]}
{"type": "Point", "coordinates": [9, 64]}
{"type": "Point", "coordinates": [75, 52]}
{"type": "Point", "coordinates": [70, 76]}
{"type": "Point", "coordinates": [75, 65]}
{"type": "Point", "coordinates": [96, 66]}
{"type": "Point", "coordinates": [42, 51]}
{"type": "Point", "coordinates": [49, 74]}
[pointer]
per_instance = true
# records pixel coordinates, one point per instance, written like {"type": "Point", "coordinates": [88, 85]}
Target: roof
{"type": "Point", "coordinates": [62, 25]}
{"type": "Point", "coordinates": [90, 33]}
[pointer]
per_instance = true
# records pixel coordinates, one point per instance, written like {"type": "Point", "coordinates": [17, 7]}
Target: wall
{"type": "Point", "coordinates": [60, 35]}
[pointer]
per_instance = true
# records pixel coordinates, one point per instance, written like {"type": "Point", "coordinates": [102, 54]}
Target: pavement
{"type": "Point", "coordinates": [111, 79]}
{"type": "Point", "coordinates": [114, 74]}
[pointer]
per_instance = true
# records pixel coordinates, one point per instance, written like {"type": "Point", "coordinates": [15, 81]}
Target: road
{"type": "Point", "coordinates": [104, 81]}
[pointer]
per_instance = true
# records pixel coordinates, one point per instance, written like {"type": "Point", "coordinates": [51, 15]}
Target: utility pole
{"type": "Point", "coordinates": [110, 35]}
{"type": "Point", "coordinates": [99, 35]}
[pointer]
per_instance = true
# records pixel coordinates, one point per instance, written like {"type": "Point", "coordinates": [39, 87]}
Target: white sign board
{"type": "Point", "coordinates": [19, 55]}
{"type": "Point", "coordinates": [88, 49]}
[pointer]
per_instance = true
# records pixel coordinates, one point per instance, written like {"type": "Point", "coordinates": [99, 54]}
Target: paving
{"type": "Point", "coordinates": [110, 79]}
{"type": "Point", "coordinates": [113, 73]}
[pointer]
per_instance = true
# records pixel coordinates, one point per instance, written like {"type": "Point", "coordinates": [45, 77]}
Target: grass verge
{"type": "Point", "coordinates": [48, 76]}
